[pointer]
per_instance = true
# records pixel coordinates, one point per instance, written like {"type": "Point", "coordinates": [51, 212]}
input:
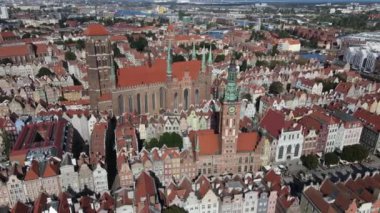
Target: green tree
{"type": "Point", "coordinates": [331, 158]}
{"type": "Point", "coordinates": [244, 66]}
{"type": "Point", "coordinates": [152, 143]}
{"type": "Point", "coordinates": [274, 50]}
{"type": "Point", "coordinates": [276, 88]}
{"type": "Point", "coordinates": [247, 96]}
{"type": "Point", "coordinates": [44, 71]}
{"type": "Point", "coordinates": [116, 51]}
{"type": "Point", "coordinates": [70, 56]}
{"type": "Point", "coordinates": [309, 161]}
{"type": "Point", "coordinates": [174, 209]}
{"type": "Point", "coordinates": [171, 140]}
{"type": "Point", "coordinates": [219, 58]}
{"type": "Point", "coordinates": [6, 61]}
{"type": "Point", "coordinates": [7, 143]}
{"type": "Point", "coordinates": [354, 153]}
{"type": "Point", "coordinates": [139, 44]}
{"type": "Point", "coordinates": [80, 44]}
{"type": "Point", "coordinates": [238, 55]}
{"type": "Point", "coordinates": [26, 35]}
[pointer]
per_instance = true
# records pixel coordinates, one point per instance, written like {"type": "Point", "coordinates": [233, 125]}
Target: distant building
{"type": "Point", "coordinates": [289, 45]}
{"type": "Point", "coordinates": [42, 140]}
{"type": "Point", "coordinates": [4, 12]}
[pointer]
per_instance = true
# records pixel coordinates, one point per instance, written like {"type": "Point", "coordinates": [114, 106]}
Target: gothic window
{"type": "Point", "coordinates": [130, 103]}
{"type": "Point", "coordinates": [186, 98]}
{"type": "Point", "coordinates": [121, 104]}
{"type": "Point", "coordinates": [196, 97]}
{"type": "Point", "coordinates": [153, 101]}
{"type": "Point", "coordinates": [161, 97]}
{"type": "Point", "coordinates": [175, 100]}
{"type": "Point", "coordinates": [138, 104]}
{"type": "Point", "coordinates": [296, 150]}
{"type": "Point", "coordinates": [146, 102]}
{"type": "Point", "coordinates": [281, 152]}
{"type": "Point", "coordinates": [289, 149]}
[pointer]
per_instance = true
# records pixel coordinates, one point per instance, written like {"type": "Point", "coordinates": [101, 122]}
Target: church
{"type": "Point", "coordinates": [159, 85]}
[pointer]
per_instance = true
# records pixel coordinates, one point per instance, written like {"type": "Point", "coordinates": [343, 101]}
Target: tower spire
{"type": "Point", "coordinates": [193, 53]}
{"type": "Point", "coordinates": [169, 62]}
{"type": "Point", "coordinates": [203, 60]}
{"type": "Point", "coordinates": [231, 93]}
{"type": "Point", "coordinates": [210, 56]}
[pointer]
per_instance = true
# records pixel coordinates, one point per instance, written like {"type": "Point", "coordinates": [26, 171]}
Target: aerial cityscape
{"type": "Point", "coordinates": [198, 106]}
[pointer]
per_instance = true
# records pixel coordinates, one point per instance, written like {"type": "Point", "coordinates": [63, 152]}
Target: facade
{"type": "Point", "coordinates": [229, 151]}
{"type": "Point", "coordinates": [349, 131]}
{"type": "Point", "coordinates": [286, 137]}
{"type": "Point", "coordinates": [86, 179]}
{"type": "Point", "coordinates": [68, 177]}
{"type": "Point", "coordinates": [370, 136]}
{"type": "Point", "coordinates": [15, 190]}
{"type": "Point", "coordinates": [100, 179]}
{"type": "Point", "coordinates": [289, 45]}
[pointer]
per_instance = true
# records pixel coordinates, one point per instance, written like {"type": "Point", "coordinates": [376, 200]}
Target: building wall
{"type": "Point", "coordinates": [289, 145]}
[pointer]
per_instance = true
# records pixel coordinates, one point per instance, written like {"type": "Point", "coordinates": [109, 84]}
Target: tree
{"type": "Point", "coordinates": [219, 58]}
{"type": "Point", "coordinates": [26, 35]}
{"type": "Point", "coordinates": [70, 56]}
{"type": "Point", "coordinates": [6, 143]}
{"type": "Point", "coordinates": [274, 50]}
{"type": "Point", "coordinates": [238, 55]}
{"type": "Point", "coordinates": [177, 58]}
{"type": "Point", "coordinates": [44, 71]}
{"type": "Point", "coordinates": [152, 143]}
{"type": "Point", "coordinates": [354, 153]}
{"type": "Point", "coordinates": [288, 87]}
{"type": "Point", "coordinates": [174, 209]}
{"type": "Point", "coordinates": [247, 96]}
{"type": "Point", "coordinates": [80, 44]}
{"type": "Point", "coordinates": [331, 158]}
{"type": "Point", "coordinates": [309, 161]}
{"type": "Point", "coordinates": [139, 44]}
{"type": "Point", "coordinates": [6, 61]}
{"type": "Point", "coordinates": [276, 88]}
{"type": "Point", "coordinates": [116, 51]}
{"type": "Point", "coordinates": [171, 140]}
{"type": "Point", "coordinates": [244, 66]}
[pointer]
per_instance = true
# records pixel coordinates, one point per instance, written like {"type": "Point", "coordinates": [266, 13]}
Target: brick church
{"type": "Point", "coordinates": [149, 88]}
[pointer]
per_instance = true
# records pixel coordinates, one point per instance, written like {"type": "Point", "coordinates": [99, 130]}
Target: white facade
{"type": "Point", "coordinates": [4, 13]}
{"type": "Point", "coordinates": [250, 202]}
{"type": "Point", "coordinates": [363, 58]}
{"type": "Point", "coordinates": [16, 190]}
{"type": "Point", "coordinates": [289, 45]}
{"type": "Point", "coordinates": [100, 179]}
{"type": "Point", "coordinates": [331, 138]}
{"type": "Point", "coordinates": [348, 135]}
{"type": "Point", "coordinates": [210, 203]}
{"type": "Point", "coordinates": [289, 145]}
{"type": "Point", "coordinates": [69, 178]}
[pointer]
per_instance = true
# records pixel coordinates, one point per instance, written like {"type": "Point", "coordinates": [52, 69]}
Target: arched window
{"type": "Point", "coordinates": [186, 98]}
{"type": "Point", "coordinates": [121, 104]}
{"type": "Point", "coordinates": [146, 102]}
{"type": "Point", "coordinates": [138, 103]}
{"type": "Point", "coordinates": [175, 100]}
{"type": "Point", "coordinates": [162, 97]}
{"type": "Point", "coordinates": [153, 101]}
{"type": "Point", "coordinates": [130, 103]}
{"type": "Point", "coordinates": [289, 149]}
{"type": "Point", "coordinates": [196, 97]}
{"type": "Point", "coordinates": [296, 150]}
{"type": "Point", "coordinates": [280, 152]}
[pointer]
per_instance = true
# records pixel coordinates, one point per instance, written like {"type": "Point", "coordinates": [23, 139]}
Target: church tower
{"type": "Point", "coordinates": [99, 58]}
{"type": "Point", "coordinates": [229, 121]}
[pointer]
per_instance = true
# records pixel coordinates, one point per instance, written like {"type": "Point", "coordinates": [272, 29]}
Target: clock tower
{"type": "Point", "coordinates": [229, 122]}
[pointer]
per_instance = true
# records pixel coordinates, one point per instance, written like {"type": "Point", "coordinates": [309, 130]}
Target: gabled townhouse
{"type": "Point", "coordinates": [370, 136]}
{"type": "Point", "coordinates": [68, 177]}
{"type": "Point", "coordinates": [100, 179]}
{"type": "Point", "coordinates": [16, 190]}
{"type": "Point", "coordinates": [349, 130]}
{"type": "Point", "coordinates": [86, 178]}
{"type": "Point", "coordinates": [287, 138]}
{"type": "Point", "coordinates": [310, 86]}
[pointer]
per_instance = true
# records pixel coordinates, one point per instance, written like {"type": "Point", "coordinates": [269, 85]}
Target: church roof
{"type": "Point", "coordinates": [139, 75]}
{"type": "Point", "coordinates": [96, 29]}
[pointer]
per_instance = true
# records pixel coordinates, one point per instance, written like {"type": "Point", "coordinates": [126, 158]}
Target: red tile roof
{"type": "Point", "coordinates": [209, 143]}
{"type": "Point", "coordinates": [40, 203]}
{"type": "Point", "coordinates": [50, 170]}
{"type": "Point", "coordinates": [273, 122]}
{"type": "Point", "coordinates": [33, 172]}
{"type": "Point", "coordinates": [17, 50]}
{"type": "Point", "coordinates": [317, 199]}
{"type": "Point", "coordinates": [132, 76]}
{"type": "Point", "coordinates": [95, 29]}
{"type": "Point", "coordinates": [145, 187]}
{"type": "Point", "coordinates": [21, 207]}
{"type": "Point", "coordinates": [368, 118]}
{"type": "Point", "coordinates": [247, 142]}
